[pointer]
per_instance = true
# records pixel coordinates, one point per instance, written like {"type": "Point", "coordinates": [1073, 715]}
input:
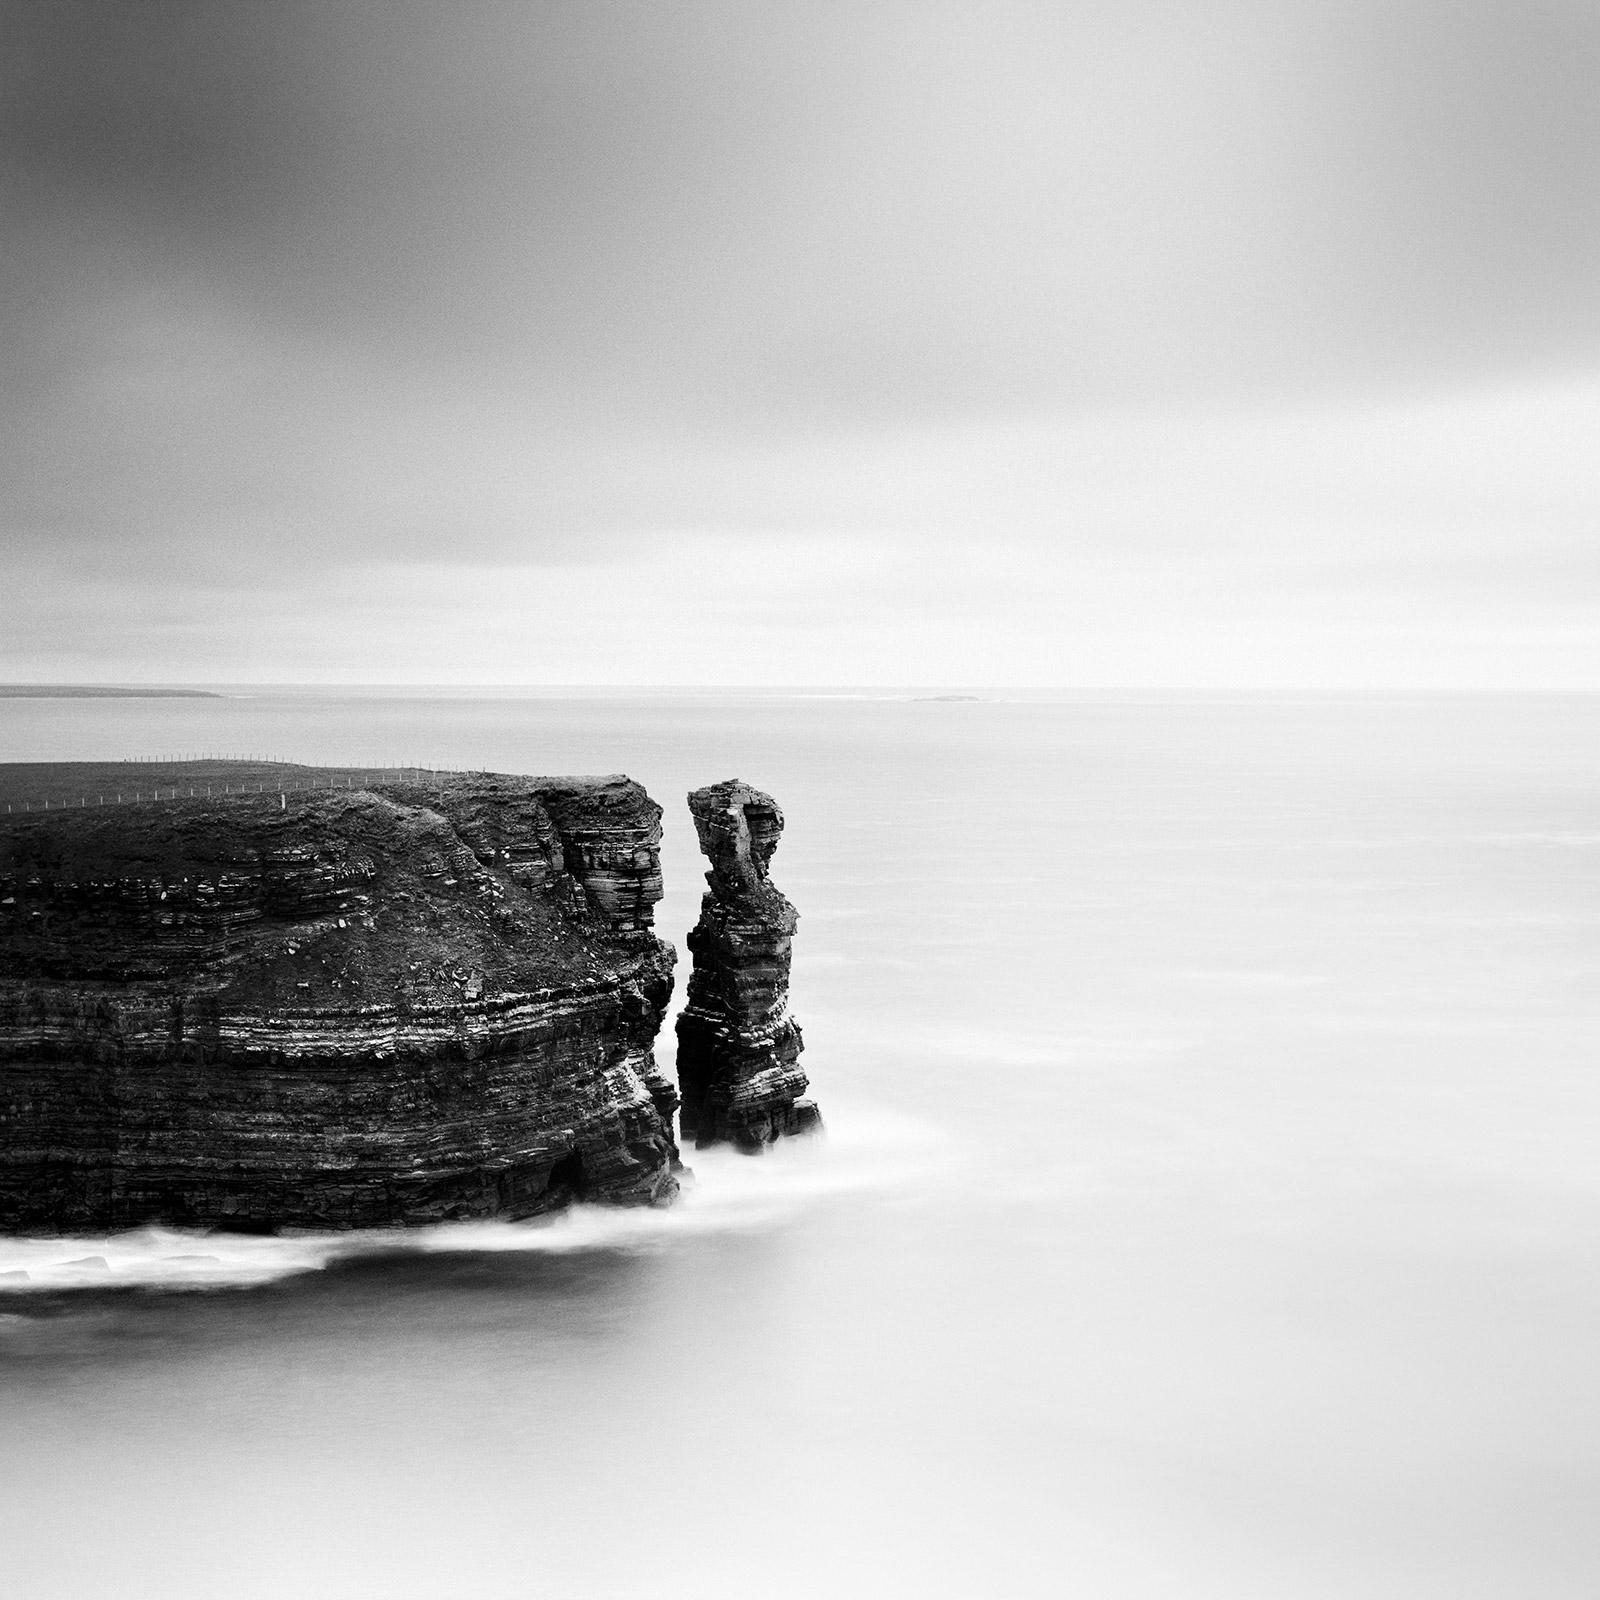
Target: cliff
{"type": "Point", "coordinates": [394, 1004]}
{"type": "Point", "coordinates": [738, 1048]}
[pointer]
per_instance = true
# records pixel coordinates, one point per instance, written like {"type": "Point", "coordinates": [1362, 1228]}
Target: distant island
{"type": "Point", "coordinates": [99, 691]}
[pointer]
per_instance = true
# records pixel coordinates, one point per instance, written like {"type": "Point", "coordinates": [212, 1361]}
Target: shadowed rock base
{"type": "Point", "coordinates": [738, 1049]}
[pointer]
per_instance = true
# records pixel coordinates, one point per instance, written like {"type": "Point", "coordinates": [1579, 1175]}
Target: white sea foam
{"type": "Point", "coordinates": [864, 1149]}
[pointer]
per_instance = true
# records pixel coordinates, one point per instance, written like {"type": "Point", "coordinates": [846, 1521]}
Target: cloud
{"type": "Point", "coordinates": [371, 287]}
{"type": "Point", "coordinates": [1420, 543]}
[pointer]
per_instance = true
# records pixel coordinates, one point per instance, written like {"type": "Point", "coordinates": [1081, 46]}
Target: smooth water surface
{"type": "Point", "coordinates": [1210, 1206]}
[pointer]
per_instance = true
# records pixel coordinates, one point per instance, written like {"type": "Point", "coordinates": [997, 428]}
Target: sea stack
{"type": "Point", "coordinates": [402, 1003]}
{"type": "Point", "coordinates": [738, 1049]}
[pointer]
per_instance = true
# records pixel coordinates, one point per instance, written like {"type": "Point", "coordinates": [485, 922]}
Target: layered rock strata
{"type": "Point", "coordinates": [738, 1048]}
{"type": "Point", "coordinates": [399, 1004]}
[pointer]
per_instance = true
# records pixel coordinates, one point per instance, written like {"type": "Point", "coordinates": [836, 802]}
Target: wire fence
{"type": "Point", "coordinates": [128, 786]}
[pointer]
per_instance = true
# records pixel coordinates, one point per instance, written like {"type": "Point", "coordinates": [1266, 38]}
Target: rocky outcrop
{"type": "Point", "coordinates": [738, 1048]}
{"type": "Point", "coordinates": [396, 1004]}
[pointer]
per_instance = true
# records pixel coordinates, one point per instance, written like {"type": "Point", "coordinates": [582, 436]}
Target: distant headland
{"type": "Point", "coordinates": [99, 691]}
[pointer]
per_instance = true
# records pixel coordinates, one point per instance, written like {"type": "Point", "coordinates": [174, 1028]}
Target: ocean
{"type": "Point", "coordinates": [1209, 1207]}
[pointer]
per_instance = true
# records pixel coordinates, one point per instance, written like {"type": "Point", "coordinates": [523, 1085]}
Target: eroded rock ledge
{"type": "Point", "coordinates": [394, 1005]}
{"type": "Point", "coordinates": [738, 1048]}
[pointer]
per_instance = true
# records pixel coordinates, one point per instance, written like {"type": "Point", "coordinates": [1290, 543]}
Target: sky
{"type": "Point", "coordinates": [1147, 342]}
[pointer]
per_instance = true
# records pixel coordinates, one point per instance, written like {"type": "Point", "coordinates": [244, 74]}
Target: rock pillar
{"type": "Point", "coordinates": [738, 1048]}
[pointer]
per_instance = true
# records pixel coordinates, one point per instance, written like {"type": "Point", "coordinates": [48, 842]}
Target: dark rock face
{"type": "Point", "coordinates": [738, 1049]}
{"type": "Point", "coordinates": [394, 1005]}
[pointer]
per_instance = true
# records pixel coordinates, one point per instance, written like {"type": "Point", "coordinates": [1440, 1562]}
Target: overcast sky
{"type": "Point", "coordinates": [1193, 343]}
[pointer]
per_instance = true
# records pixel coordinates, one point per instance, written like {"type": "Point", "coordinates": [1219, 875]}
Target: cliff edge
{"type": "Point", "coordinates": [400, 1003]}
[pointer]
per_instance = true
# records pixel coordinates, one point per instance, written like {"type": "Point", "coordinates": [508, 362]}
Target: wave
{"type": "Point", "coordinates": [863, 1149]}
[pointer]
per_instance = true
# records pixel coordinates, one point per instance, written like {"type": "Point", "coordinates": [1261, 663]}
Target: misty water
{"type": "Point", "coordinates": [1210, 1204]}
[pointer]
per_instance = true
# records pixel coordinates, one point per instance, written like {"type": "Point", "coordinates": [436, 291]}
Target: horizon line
{"type": "Point", "coordinates": [221, 686]}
